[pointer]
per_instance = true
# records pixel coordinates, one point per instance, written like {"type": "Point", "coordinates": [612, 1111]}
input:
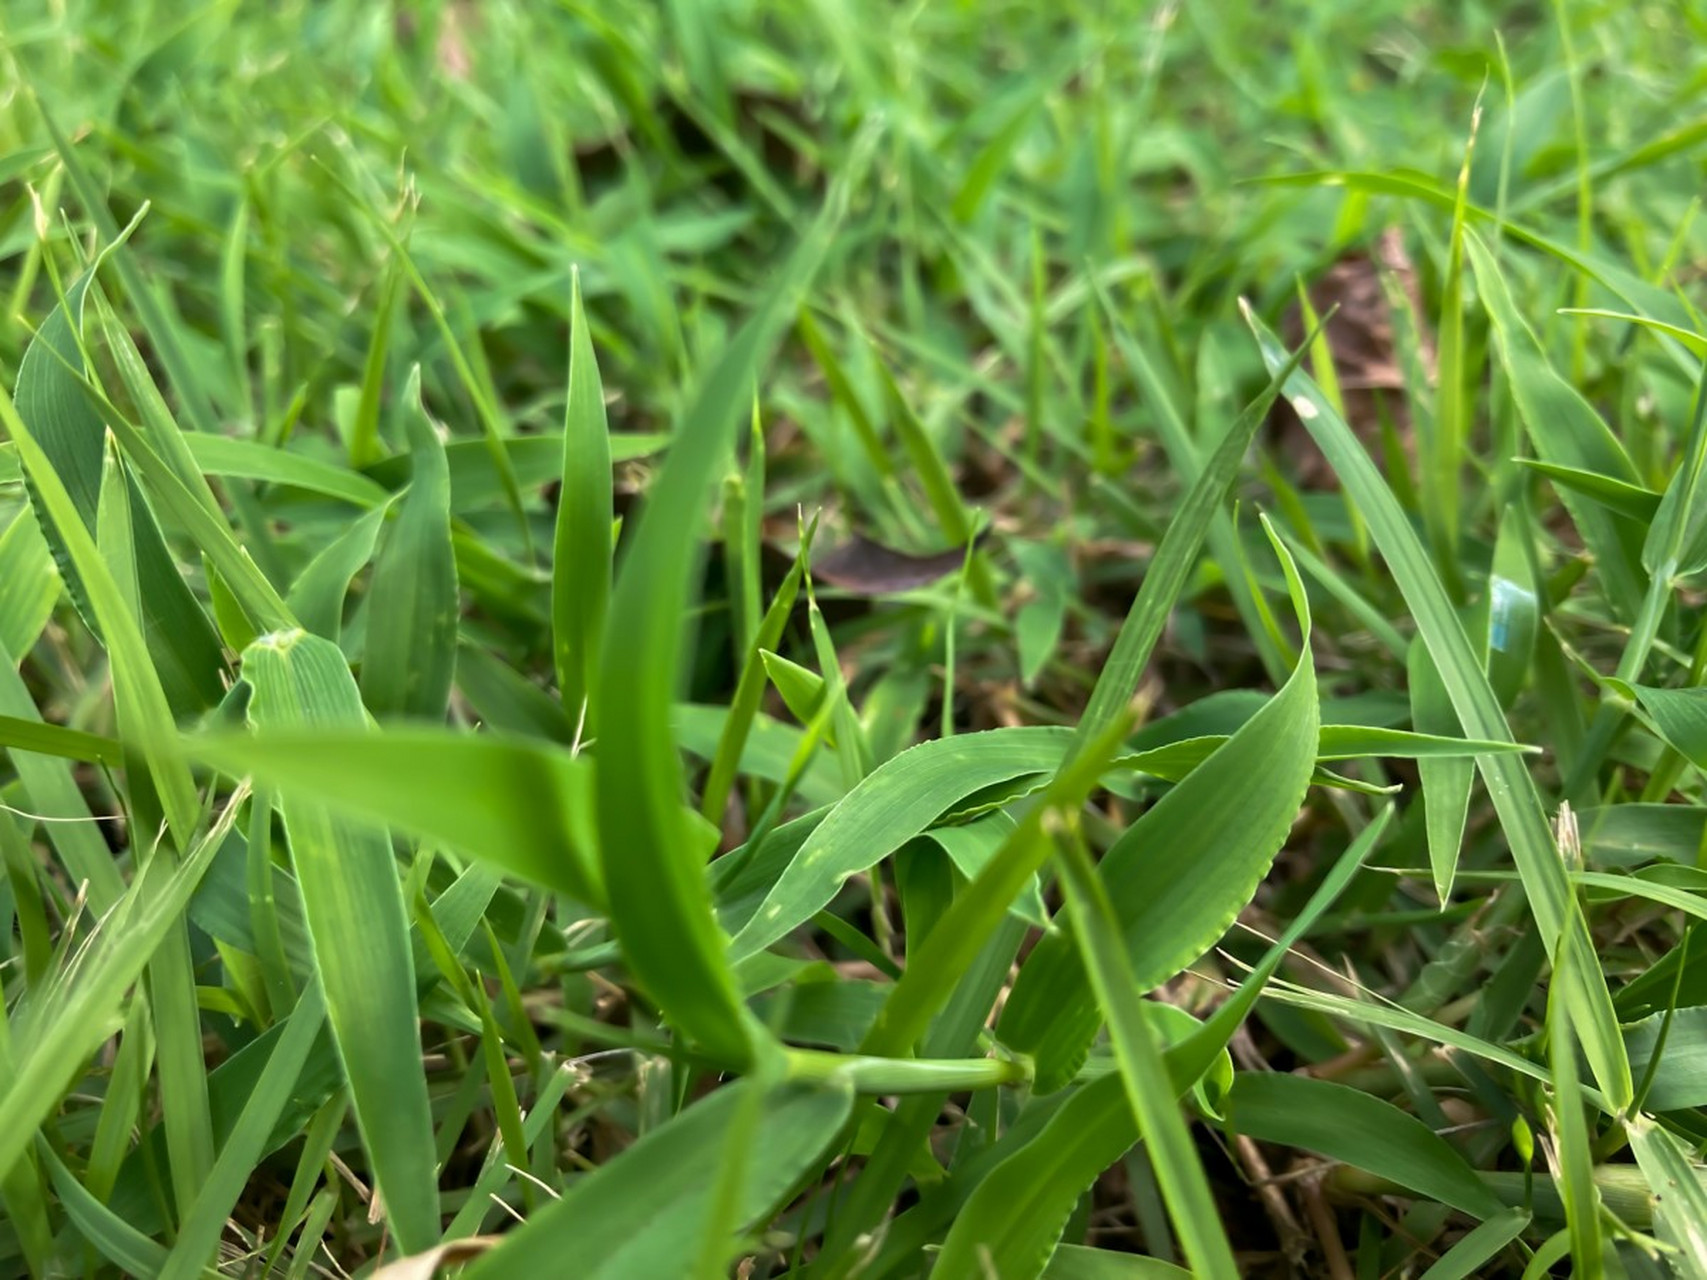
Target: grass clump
{"type": "Point", "coordinates": [836, 641]}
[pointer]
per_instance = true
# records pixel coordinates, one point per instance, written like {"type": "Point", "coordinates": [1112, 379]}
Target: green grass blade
{"type": "Point", "coordinates": [1020, 1206]}
{"type": "Point", "coordinates": [1565, 431]}
{"type": "Point", "coordinates": [254, 460]}
{"type": "Point", "coordinates": [29, 586]}
{"type": "Point", "coordinates": [659, 904]}
{"type": "Point", "coordinates": [1465, 1259]}
{"type": "Point", "coordinates": [1513, 791]}
{"type": "Point", "coordinates": [1361, 1130]}
{"type": "Point", "coordinates": [1183, 454]}
{"type": "Point", "coordinates": [410, 659]}
{"type": "Point", "coordinates": [198, 1238]}
{"type": "Point", "coordinates": [352, 900]}
{"type": "Point", "coordinates": [1180, 875]}
{"type": "Point", "coordinates": [898, 801]}
{"type": "Point", "coordinates": [581, 551]}
{"type": "Point", "coordinates": [1119, 678]}
{"type": "Point", "coordinates": [1676, 1184]}
{"type": "Point", "coordinates": [57, 1028]}
{"type": "Point", "coordinates": [522, 806]}
{"type": "Point", "coordinates": [1148, 1091]}
{"type": "Point", "coordinates": [1570, 1127]}
{"type": "Point", "coordinates": [317, 595]}
{"type": "Point", "coordinates": [642, 1213]}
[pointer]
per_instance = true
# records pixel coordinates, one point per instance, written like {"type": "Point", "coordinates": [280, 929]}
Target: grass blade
{"type": "Point", "coordinates": [352, 900]}
{"type": "Point", "coordinates": [1513, 791]}
{"type": "Point", "coordinates": [581, 554]}
{"type": "Point", "coordinates": [659, 904]}
{"type": "Point", "coordinates": [410, 658]}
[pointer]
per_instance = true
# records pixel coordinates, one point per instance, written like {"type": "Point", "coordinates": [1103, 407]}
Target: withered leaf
{"type": "Point", "coordinates": [869, 568]}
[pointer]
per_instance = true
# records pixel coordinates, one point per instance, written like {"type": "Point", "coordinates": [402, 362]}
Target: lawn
{"type": "Point", "coordinates": [844, 639]}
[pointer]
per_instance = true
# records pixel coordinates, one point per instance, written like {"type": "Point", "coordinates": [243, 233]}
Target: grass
{"type": "Point", "coordinates": [839, 640]}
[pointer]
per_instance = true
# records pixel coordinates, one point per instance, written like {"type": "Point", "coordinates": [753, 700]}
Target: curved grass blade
{"type": "Point", "coordinates": [1201, 515]}
{"type": "Point", "coordinates": [651, 852]}
{"type": "Point", "coordinates": [738, 725]}
{"type": "Point", "coordinates": [1565, 431]}
{"type": "Point", "coordinates": [317, 595]}
{"type": "Point", "coordinates": [253, 460]}
{"type": "Point", "coordinates": [898, 801]}
{"type": "Point", "coordinates": [1359, 1129]}
{"type": "Point", "coordinates": [198, 1238]}
{"type": "Point", "coordinates": [410, 659]}
{"type": "Point", "coordinates": [1179, 876]}
{"type": "Point", "coordinates": [1513, 791]}
{"type": "Point", "coordinates": [1465, 1260]}
{"type": "Point", "coordinates": [520, 805]}
{"type": "Point", "coordinates": [182, 644]}
{"type": "Point", "coordinates": [352, 900]}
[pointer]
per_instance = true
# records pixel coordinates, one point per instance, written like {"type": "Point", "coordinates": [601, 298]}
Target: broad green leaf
{"type": "Point", "coordinates": [410, 658]}
{"type": "Point", "coordinates": [352, 899]}
{"type": "Point", "coordinates": [1680, 715]}
{"type": "Point", "coordinates": [897, 801]}
{"type": "Point", "coordinates": [1678, 1081]}
{"type": "Point", "coordinates": [523, 806]}
{"type": "Point", "coordinates": [1359, 1129]}
{"type": "Point", "coordinates": [581, 550]}
{"type": "Point", "coordinates": [642, 1213]}
{"type": "Point", "coordinates": [1180, 875]}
